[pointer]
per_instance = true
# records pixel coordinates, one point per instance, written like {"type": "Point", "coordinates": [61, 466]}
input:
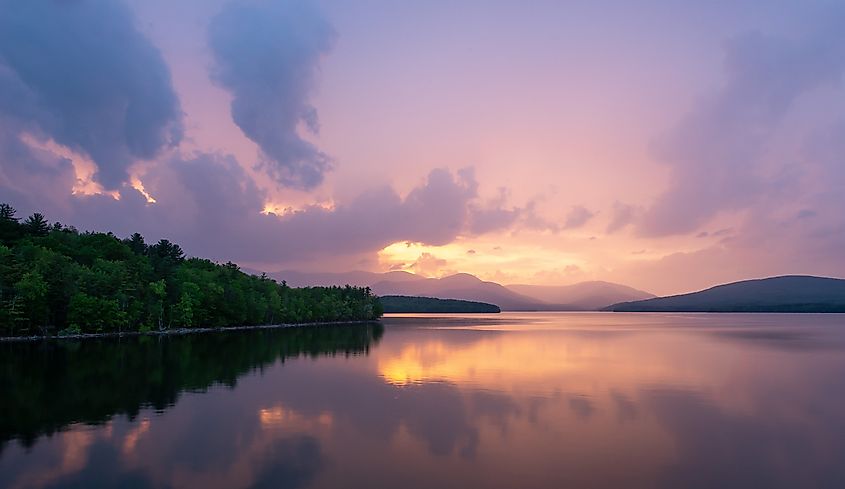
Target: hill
{"type": "Point", "coordinates": [401, 303]}
{"type": "Point", "coordinates": [583, 296]}
{"type": "Point", "coordinates": [793, 293]}
{"type": "Point", "coordinates": [462, 286]}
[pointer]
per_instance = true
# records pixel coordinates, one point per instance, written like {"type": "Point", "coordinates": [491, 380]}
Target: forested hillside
{"type": "Point", "coordinates": [56, 279]}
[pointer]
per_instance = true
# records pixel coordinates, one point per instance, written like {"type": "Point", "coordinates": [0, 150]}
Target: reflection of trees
{"type": "Point", "coordinates": [48, 385]}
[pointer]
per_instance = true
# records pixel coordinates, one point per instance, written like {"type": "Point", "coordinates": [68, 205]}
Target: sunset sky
{"type": "Point", "coordinates": [666, 145]}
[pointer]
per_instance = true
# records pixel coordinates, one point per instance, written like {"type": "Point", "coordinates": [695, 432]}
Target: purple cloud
{"type": "Point", "coordinates": [267, 56]}
{"type": "Point", "coordinates": [212, 207]}
{"type": "Point", "coordinates": [577, 217]}
{"type": "Point", "coordinates": [621, 216]}
{"type": "Point", "coordinates": [717, 151]}
{"type": "Point", "coordinates": [82, 74]}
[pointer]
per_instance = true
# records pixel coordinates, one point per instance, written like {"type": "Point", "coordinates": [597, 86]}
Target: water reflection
{"type": "Point", "coordinates": [542, 400]}
{"type": "Point", "coordinates": [50, 385]}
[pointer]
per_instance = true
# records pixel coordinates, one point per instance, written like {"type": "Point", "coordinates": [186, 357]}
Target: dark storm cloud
{"type": "Point", "coordinates": [82, 74]}
{"type": "Point", "coordinates": [31, 177]}
{"type": "Point", "coordinates": [211, 206]}
{"type": "Point", "coordinates": [717, 151]}
{"type": "Point", "coordinates": [267, 56]}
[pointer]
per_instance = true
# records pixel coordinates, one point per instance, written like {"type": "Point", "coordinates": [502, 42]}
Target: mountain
{"type": "Point", "coordinates": [583, 296]}
{"type": "Point", "coordinates": [401, 303]}
{"type": "Point", "coordinates": [463, 286]}
{"type": "Point", "coordinates": [793, 293]}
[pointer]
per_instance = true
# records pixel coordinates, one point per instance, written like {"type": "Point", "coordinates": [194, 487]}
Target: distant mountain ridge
{"type": "Point", "coordinates": [462, 286]}
{"type": "Point", "coordinates": [789, 293]}
{"type": "Point", "coordinates": [585, 296]}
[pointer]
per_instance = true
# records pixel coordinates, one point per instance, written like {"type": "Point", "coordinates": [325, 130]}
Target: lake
{"type": "Point", "coordinates": [509, 400]}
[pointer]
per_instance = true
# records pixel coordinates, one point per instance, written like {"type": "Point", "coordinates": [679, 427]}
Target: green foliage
{"type": "Point", "coordinates": [92, 314]}
{"type": "Point", "coordinates": [55, 278]}
{"type": "Point", "coordinates": [70, 331]}
{"type": "Point", "coordinates": [31, 291]}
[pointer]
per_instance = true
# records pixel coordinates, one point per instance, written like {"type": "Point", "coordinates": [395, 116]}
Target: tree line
{"type": "Point", "coordinates": [56, 279]}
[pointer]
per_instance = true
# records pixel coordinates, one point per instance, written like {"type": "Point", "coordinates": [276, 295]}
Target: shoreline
{"type": "Point", "coordinates": [181, 331]}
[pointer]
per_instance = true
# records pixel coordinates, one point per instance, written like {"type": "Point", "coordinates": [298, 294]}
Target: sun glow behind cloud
{"type": "Point", "coordinates": [485, 257]}
{"type": "Point", "coordinates": [83, 166]}
{"type": "Point", "coordinates": [138, 185]}
{"type": "Point", "coordinates": [281, 209]}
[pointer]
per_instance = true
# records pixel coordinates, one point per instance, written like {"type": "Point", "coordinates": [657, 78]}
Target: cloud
{"type": "Point", "coordinates": [80, 73]}
{"type": "Point", "coordinates": [765, 154]}
{"type": "Point", "coordinates": [806, 214]}
{"type": "Point", "coordinates": [266, 54]}
{"type": "Point", "coordinates": [31, 176]}
{"type": "Point", "coordinates": [621, 216]}
{"type": "Point", "coordinates": [577, 217]}
{"type": "Point", "coordinates": [428, 265]}
{"type": "Point", "coordinates": [213, 208]}
{"type": "Point", "coordinates": [495, 215]}
{"type": "Point", "coordinates": [719, 155]}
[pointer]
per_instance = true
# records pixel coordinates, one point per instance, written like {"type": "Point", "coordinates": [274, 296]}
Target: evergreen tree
{"type": "Point", "coordinates": [36, 225]}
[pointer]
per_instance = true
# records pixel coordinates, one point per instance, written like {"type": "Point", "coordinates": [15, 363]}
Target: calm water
{"type": "Point", "coordinates": [510, 400]}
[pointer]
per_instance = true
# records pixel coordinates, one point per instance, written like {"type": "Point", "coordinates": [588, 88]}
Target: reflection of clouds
{"type": "Point", "coordinates": [530, 408]}
{"type": "Point", "coordinates": [289, 463]}
{"type": "Point", "coordinates": [626, 409]}
{"type": "Point", "coordinates": [416, 364]}
{"type": "Point", "coordinates": [749, 450]}
{"type": "Point", "coordinates": [609, 378]}
{"type": "Point", "coordinates": [274, 446]}
{"type": "Point", "coordinates": [131, 438]}
{"type": "Point", "coordinates": [486, 363]}
{"type": "Point", "coordinates": [189, 446]}
{"type": "Point", "coordinates": [543, 362]}
{"type": "Point", "coordinates": [608, 362]}
{"type": "Point", "coordinates": [74, 448]}
{"type": "Point", "coordinates": [281, 417]}
{"type": "Point", "coordinates": [76, 445]}
{"type": "Point", "coordinates": [581, 406]}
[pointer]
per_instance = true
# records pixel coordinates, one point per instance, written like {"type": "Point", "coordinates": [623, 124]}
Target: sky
{"type": "Point", "coordinates": [666, 145]}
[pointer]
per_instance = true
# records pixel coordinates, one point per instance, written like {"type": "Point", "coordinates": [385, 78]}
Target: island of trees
{"type": "Point", "coordinates": [411, 304]}
{"type": "Point", "coordinates": [55, 279]}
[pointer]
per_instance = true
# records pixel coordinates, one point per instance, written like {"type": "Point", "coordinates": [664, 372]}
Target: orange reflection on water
{"type": "Point", "coordinates": [131, 439]}
{"type": "Point", "coordinates": [279, 416]}
{"type": "Point", "coordinates": [75, 447]}
{"type": "Point", "coordinates": [519, 362]}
